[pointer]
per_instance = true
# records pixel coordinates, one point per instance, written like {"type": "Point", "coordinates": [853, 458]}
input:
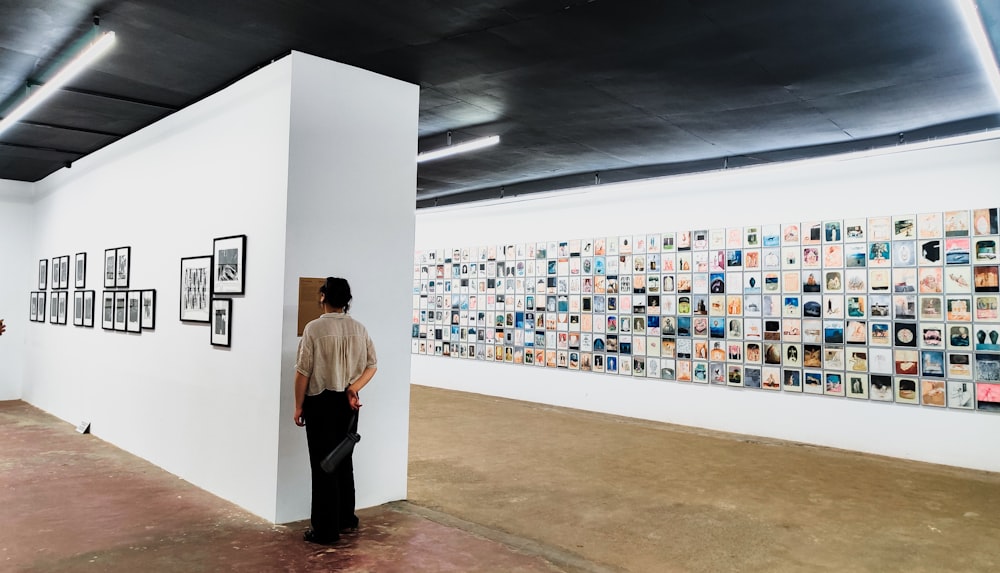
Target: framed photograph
{"type": "Point", "coordinates": [123, 265]}
{"type": "Point", "coordinates": [148, 309]}
{"type": "Point", "coordinates": [43, 274]}
{"type": "Point", "coordinates": [33, 307]}
{"type": "Point", "coordinates": [56, 264]}
{"type": "Point", "coordinates": [133, 318]}
{"type": "Point", "coordinates": [64, 272]}
{"type": "Point", "coordinates": [196, 289]}
{"type": "Point", "coordinates": [40, 297]}
{"type": "Point", "coordinates": [63, 307]}
{"type": "Point", "coordinates": [121, 310]}
{"type": "Point", "coordinates": [110, 262]}
{"type": "Point", "coordinates": [222, 319]}
{"type": "Point", "coordinates": [54, 308]}
{"type": "Point", "coordinates": [108, 317]}
{"type": "Point", "coordinates": [230, 265]}
{"type": "Point", "coordinates": [80, 276]}
{"type": "Point", "coordinates": [88, 308]}
{"type": "Point", "coordinates": [78, 308]}
{"type": "Point", "coordinates": [961, 395]}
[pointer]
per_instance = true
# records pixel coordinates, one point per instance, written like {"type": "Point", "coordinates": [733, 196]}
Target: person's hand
{"type": "Point", "coordinates": [353, 398]}
{"type": "Point", "coordinates": [299, 420]}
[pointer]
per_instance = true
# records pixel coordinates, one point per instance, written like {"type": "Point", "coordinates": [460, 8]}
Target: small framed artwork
{"type": "Point", "coordinates": [149, 309]}
{"type": "Point", "coordinates": [63, 307]}
{"type": "Point", "coordinates": [56, 263]}
{"type": "Point", "coordinates": [54, 308]}
{"type": "Point", "coordinates": [133, 318]}
{"type": "Point", "coordinates": [857, 386]}
{"type": "Point", "coordinates": [110, 262]}
{"type": "Point", "coordinates": [80, 277]}
{"type": "Point", "coordinates": [230, 262]}
{"type": "Point", "coordinates": [961, 395]}
{"type": "Point", "coordinates": [88, 308]}
{"type": "Point", "coordinates": [196, 289]}
{"type": "Point", "coordinates": [123, 264]}
{"type": "Point", "coordinates": [78, 308]}
{"type": "Point", "coordinates": [64, 271]}
{"type": "Point", "coordinates": [108, 306]}
{"type": "Point", "coordinates": [33, 307]}
{"type": "Point", "coordinates": [40, 296]}
{"type": "Point", "coordinates": [43, 274]}
{"type": "Point", "coordinates": [121, 303]}
{"type": "Point", "coordinates": [906, 390]}
{"type": "Point", "coordinates": [222, 321]}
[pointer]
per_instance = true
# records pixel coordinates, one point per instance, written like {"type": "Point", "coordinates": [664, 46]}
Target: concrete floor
{"type": "Point", "coordinates": [505, 486]}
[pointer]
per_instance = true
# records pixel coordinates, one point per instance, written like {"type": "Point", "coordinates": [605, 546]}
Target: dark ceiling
{"type": "Point", "coordinates": [621, 88]}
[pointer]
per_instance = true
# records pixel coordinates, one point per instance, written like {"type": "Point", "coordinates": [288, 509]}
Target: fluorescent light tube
{"type": "Point", "coordinates": [77, 65]}
{"type": "Point", "coordinates": [977, 29]}
{"type": "Point", "coordinates": [459, 148]}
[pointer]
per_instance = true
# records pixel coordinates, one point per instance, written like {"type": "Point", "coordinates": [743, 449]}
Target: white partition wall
{"type": "Point", "coordinates": [351, 177]}
{"type": "Point", "coordinates": [953, 175]}
{"type": "Point", "coordinates": [15, 253]}
{"type": "Point", "coordinates": [228, 165]}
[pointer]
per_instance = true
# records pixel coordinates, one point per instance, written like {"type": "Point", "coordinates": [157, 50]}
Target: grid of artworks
{"type": "Point", "coordinates": [893, 308]}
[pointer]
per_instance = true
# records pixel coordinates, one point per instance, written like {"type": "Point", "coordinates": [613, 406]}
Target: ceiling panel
{"type": "Point", "coordinates": [625, 88]}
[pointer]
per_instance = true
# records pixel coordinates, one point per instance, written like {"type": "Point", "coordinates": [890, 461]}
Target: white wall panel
{"type": "Point", "coordinates": [907, 180]}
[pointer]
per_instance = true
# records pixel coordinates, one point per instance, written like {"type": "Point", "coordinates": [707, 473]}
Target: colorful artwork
{"type": "Point", "coordinates": [893, 308]}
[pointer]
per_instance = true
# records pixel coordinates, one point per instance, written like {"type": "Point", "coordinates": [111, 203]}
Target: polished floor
{"type": "Point", "coordinates": [505, 486]}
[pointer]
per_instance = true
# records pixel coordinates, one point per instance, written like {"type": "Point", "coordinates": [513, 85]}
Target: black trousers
{"type": "Point", "coordinates": [327, 416]}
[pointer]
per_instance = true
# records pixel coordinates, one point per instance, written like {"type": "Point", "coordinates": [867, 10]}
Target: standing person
{"type": "Point", "coordinates": [336, 359]}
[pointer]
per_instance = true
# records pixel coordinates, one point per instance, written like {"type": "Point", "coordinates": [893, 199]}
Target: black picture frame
{"type": "Point", "coordinates": [54, 308]}
{"type": "Point", "coordinates": [108, 310]}
{"type": "Point", "coordinates": [148, 309]}
{"type": "Point", "coordinates": [196, 289]}
{"type": "Point", "coordinates": [110, 261]}
{"type": "Point", "coordinates": [222, 322]}
{"type": "Point", "coordinates": [89, 308]}
{"type": "Point", "coordinates": [40, 316]}
{"type": "Point", "coordinates": [43, 274]}
{"type": "Point", "coordinates": [123, 266]}
{"type": "Point", "coordinates": [63, 305]}
{"type": "Point", "coordinates": [64, 272]}
{"type": "Point", "coordinates": [133, 309]}
{"type": "Point", "coordinates": [78, 308]}
{"type": "Point", "coordinates": [80, 270]}
{"type": "Point", "coordinates": [56, 263]}
{"type": "Point", "coordinates": [229, 264]}
{"type": "Point", "coordinates": [121, 310]}
{"type": "Point", "coordinates": [33, 307]}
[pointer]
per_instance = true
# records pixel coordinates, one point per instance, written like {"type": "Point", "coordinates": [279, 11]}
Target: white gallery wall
{"type": "Point", "coordinates": [958, 174]}
{"type": "Point", "coordinates": [15, 257]}
{"type": "Point", "coordinates": [350, 214]}
{"type": "Point", "coordinates": [217, 417]}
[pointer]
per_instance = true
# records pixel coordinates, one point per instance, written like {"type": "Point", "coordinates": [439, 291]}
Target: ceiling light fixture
{"type": "Point", "coordinates": [977, 30]}
{"type": "Point", "coordinates": [89, 55]}
{"type": "Point", "coordinates": [459, 148]}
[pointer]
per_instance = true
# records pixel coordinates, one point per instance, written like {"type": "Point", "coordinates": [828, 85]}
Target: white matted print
{"type": "Point", "coordinates": [222, 321]}
{"type": "Point", "coordinates": [196, 288]}
{"type": "Point", "coordinates": [230, 258]}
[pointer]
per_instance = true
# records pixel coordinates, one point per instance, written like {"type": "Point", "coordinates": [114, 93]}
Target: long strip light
{"type": "Point", "coordinates": [977, 29]}
{"type": "Point", "coordinates": [458, 148]}
{"type": "Point", "coordinates": [90, 54]}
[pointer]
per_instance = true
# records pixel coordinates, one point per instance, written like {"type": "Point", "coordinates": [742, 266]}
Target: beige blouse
{"type": "Point", "coordinates": [335, 349]}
